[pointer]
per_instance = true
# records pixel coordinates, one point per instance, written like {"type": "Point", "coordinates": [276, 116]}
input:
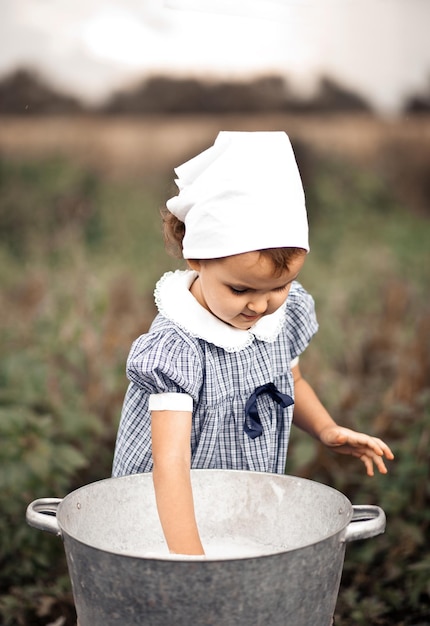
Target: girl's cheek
{"type": "Point", "coordinates": [280, 301]}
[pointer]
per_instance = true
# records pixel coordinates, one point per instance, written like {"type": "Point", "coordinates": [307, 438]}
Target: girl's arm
{"type": "Point", "coordinates": [171, 453]}
{"type": "Point", "coordinates": [312, 417]}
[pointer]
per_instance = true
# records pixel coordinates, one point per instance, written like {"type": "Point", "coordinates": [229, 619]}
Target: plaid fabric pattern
{"type": "Point", "coordinates": [168, 359]}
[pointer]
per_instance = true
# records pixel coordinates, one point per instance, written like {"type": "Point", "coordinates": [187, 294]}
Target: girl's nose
{"type": "Point", "coordinates": [258, 304]}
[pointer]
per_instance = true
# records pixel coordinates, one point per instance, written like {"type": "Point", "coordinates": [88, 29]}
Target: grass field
{"type": "Point", "coordinates": [80, 250]}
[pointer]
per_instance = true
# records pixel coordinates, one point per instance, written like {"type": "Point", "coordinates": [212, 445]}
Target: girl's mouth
{"type": "Point", "coordinates": [250, 318]}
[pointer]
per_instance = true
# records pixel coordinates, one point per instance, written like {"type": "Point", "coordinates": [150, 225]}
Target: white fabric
{"type": "Point", "coordinates": [242, 194]}
{"type": "Point", "coordinates": [175, 301]}
{"type": "Point", "coordinates": [170, 402]}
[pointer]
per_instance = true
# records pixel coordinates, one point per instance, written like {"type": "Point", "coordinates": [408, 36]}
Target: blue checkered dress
{"type": "Point", "coordinates": [171, 358]}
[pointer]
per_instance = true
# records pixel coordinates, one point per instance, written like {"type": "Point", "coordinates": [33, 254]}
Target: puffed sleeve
{"type": "Point", "coordinates": [301, 319]}
{"type": "Point", "coordinates": [166, 362]}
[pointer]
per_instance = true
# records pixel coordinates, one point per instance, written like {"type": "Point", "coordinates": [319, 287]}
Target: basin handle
{"type": "Point", "coordinates": [42, 514]}
{"type": "Point", "coordinates": [367, 521]}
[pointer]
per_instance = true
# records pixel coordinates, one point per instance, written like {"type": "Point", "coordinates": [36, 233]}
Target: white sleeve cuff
{"type": "Point", "coordinates": [170, 402]}
{"type": "Point", "coordinates": [294, 362]}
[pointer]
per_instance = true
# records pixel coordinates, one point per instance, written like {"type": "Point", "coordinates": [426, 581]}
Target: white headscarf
{"type": "Point", "coordinates": [242, 194]}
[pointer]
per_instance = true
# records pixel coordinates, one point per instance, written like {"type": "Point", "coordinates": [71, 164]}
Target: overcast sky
{"type": "Point", "coordinates": [380, 48]}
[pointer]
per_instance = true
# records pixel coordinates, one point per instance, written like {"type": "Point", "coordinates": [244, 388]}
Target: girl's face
{"type": "Point", "coordinates": [241, 289]}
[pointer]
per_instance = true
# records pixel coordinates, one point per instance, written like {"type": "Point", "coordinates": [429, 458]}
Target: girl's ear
{"type": "Point", "coordinates": [193, 264]}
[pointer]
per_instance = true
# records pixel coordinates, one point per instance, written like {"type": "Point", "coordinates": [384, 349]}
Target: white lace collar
{"type": "Point", "coordinates": [175, 302]}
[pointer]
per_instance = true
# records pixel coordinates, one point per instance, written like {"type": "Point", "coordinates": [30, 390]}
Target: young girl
{"type": "Point", "coordinates": [216, 382]}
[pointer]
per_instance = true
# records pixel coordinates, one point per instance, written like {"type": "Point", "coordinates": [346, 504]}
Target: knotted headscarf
{"type": "Point", "coordinates": [242, 194]}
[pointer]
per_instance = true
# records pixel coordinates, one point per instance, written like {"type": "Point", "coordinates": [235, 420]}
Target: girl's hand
{"type": "Point", "coordinates": [370, 450]}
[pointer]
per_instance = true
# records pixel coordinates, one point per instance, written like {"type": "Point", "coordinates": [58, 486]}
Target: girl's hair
{"type": "Point", "coordinates": [174, 231]}
{"type": "Point", "coordinates": [282, 257]}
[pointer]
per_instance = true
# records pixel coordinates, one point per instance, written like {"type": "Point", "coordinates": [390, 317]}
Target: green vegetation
{"type": "Point", "coordinates": [78, 259]}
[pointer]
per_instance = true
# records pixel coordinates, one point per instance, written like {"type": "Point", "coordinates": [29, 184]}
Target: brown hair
{"type": "Point", "coordinates": [282, 257]}
{"type": "Point", "coordinates": [174, 231]}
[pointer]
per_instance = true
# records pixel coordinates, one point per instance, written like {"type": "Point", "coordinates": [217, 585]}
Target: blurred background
{"type": "Point", "coordinates": [98, 102]}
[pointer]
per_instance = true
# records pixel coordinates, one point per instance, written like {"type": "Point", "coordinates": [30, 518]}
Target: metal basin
{"type": "Point", "coordinates": [275, 550]}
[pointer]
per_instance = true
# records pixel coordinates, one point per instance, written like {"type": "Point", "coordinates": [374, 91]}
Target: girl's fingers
{"type": "Point", "coordinates": [381, 449]}
{"type": "Point", "coordinates": [368, 464]}
{"type": "Point", "coordinates": [387, 451]}
{"type": "Point", "coordinates": [370, 460]}
{"type": "Point", "coordinates": [370, 450]}
{"type": "Point", "coordinates": [377, 446]}
{"type": "Point", "coordinates": [380, 465]}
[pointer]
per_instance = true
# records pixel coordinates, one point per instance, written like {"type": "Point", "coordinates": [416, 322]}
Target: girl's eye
{"type": "Point", "coordinates": [238, 292]}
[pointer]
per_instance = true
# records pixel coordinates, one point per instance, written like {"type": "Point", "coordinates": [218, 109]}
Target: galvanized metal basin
{"type": "Point", "coordinates": [275, 550]}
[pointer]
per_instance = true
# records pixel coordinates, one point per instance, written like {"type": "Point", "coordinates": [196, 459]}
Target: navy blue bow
{"type": "Point", "coordinates": [251, 414]}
